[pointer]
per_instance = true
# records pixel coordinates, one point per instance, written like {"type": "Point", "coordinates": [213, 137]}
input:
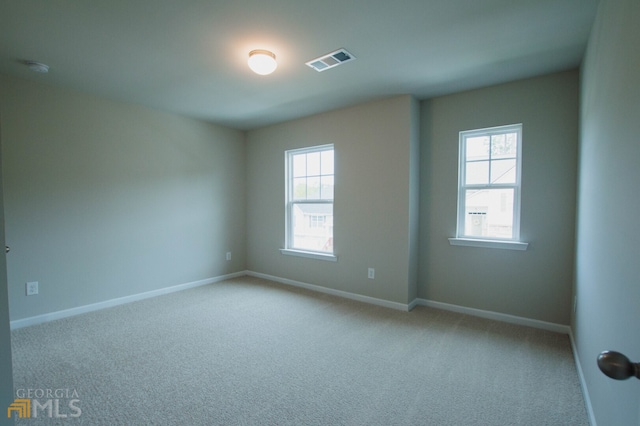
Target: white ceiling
{"type": "Point", "coordinates": [189, 56]}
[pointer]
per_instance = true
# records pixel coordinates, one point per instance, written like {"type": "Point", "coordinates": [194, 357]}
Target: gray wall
{"type": "Point", "coordinates": [6, 374]}
{"type": "Point", "coordinates": [373, 215]}
{"type": "Point", "coordinates": [536, 283]}
{"type": "Point", "coordinates": [106, 199]}
{"type": "Point", "coordinates": [414, 200]}
{"type": "Point", "coordinates": [608, 231]}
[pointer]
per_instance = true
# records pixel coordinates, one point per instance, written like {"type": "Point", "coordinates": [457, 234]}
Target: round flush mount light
{"type": "Point", "coordinates": [262, 62]}
{"type": "Point", "coordinates": [37, 67]}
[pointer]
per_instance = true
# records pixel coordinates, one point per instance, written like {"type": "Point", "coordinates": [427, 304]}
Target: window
{"type": "Point", "coordinates": [317, 221]}
{"type": "Point", "coordinates": [309, 201]}
{"type": "Point", "coordinates": [489, 186]}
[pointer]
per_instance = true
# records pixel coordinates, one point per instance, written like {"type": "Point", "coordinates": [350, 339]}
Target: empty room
{"type": "Point", "coordinates": [320, 213]}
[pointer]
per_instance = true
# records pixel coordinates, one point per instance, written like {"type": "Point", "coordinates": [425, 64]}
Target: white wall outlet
{"type": "Point", "coordinates": [371, 274]}
{"type": "Point", "coordinates": [32, 288]}
{"type": "Point", "coordinates": [228, 255]}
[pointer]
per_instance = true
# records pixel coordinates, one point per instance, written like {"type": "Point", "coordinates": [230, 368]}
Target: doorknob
{"type": "Point", "coordinates": [7, 249]}
{"type": "Point", "coordinates": [618, 366]}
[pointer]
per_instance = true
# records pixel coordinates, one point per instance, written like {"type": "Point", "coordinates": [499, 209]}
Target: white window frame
{"type": "Point", "coordinates": [462, 238]}
{"type": "Point", "coordinates": [290, 202]}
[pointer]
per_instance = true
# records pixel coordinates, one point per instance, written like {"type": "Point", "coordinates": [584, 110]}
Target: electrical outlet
{"type": "Point", "coordinates": [228, 255]}
{"type": "Point", "coordinates": [371, 274]}
{"type": "Point", "coordinates": [32, 288]}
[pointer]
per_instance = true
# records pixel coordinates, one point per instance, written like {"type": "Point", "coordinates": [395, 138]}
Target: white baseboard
{"type": "Point", "coordinates": [559, 328]}
{"type": "Point", "coordinates": [413, 304]}
{"type": "Point", "coordinates": [333, 292]}
{"type": "Point", "coordinates": [512, 319]}
{"type": "Point", "coordinates": [39, 319]}
{"type": "Point", "coordinates": [583, 382]}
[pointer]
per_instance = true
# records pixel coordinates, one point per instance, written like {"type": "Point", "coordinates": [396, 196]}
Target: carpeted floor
{"type": "Point", "coordinates": [253, 352]}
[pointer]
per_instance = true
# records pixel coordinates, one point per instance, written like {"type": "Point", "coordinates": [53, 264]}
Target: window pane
{"type": "Point", "coordinates": [326, 190]}
{"type": "Point", "coordinates": [489, 213]}
{"type": "Point", "coordinates": [478, 148]}
{"type": "Point", "coordinates": [504, 145]}
{"type": "Point", "coordinates": [327, 162]}
{"type": "Point", "coordinates": [313, 227]}
{"type": "Point", "coordinates": [313, 188]}
{"type": "Point", "coordinates": [477, 173]}
{"type": "Point", "coordinates": [497, 144]}
{"type": "Point", "coordinates": [299, 165]}
{"type": "Point", "coordinates": [512, 144]}
{"type": "Point", "coordinates": [313, 164]}
{"type": "Point", "coordinates": [503, 171]}
{"type": "Point", "coordinates": [299, 188]}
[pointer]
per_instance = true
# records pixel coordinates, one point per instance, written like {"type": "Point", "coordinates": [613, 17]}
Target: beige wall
{"type": "Point", "coordinates": [106, 199]}
{"type": "Point", "coordinates": [608, 231]}
{"type": "Point", "coordinates": [373, 218]}
{"type": "Point", "coordinates": [536, 283]}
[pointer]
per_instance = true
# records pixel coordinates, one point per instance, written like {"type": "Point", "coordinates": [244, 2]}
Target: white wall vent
{"type": "Point", "coordinates": [330, 60]}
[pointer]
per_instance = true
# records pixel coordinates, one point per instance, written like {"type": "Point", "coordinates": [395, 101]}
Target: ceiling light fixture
{"type": "Point", "coordinates": [262, 62]}
{"type": "Point", "coordinates": [37, 66]}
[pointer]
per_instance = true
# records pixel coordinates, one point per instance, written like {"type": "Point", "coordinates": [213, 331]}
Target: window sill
{"type": "Point", "coordinates": [506, 245]}
{"type": "Point", "coordinates": [310, 255]}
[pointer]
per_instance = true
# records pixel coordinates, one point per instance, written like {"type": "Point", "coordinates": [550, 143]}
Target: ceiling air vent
{"type": "Point", "coordinates": [330, 60]}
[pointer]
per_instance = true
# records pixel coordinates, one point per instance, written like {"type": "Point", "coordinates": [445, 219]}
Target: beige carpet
{"type": "Point", "coordinates": [253, 352]}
